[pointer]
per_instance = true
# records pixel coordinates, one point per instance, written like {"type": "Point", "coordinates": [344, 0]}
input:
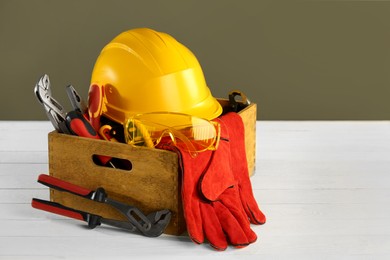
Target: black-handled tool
{"type": "Point", "coordinates": [76, 100]}
{"type": "Point", "coordinates": [80, 126]}
{"type": "Point", "coordinates": [234, 105]}
{"type": "Point", "coordinates": [151, 225]}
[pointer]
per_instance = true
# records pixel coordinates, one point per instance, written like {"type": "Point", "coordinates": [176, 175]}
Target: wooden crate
{"type": "Point", "coordinates": [153, 183]}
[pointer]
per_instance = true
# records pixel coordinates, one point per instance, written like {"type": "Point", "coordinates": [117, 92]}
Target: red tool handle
{"type": "Point", "coordinates": [80, 126]}
{"type": "Point", "coordinates": [61, 185]}
{"type": "Point", "coordinates": [95, 105]}
{"type": "Point", "coordinates": [59, 209]}
{"type": "Point", "coordinates": [53, 207]}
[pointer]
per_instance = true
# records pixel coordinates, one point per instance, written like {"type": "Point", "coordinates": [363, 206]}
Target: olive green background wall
{"type": "Point", "coordinates": [296, 59]}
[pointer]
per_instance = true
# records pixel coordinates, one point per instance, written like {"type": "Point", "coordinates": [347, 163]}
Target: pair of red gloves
{"type": "Point", "coordinates": [217, 196]}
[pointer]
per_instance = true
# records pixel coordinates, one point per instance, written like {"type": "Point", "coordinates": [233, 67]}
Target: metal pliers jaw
{"type": "Point", "coordinates": [75, 100]}
{"type": "Point", "coordinates": [54, 110]}
{"type": "Point", "coordinates": [234, 105]}
{"type": "Point", "coordinates": [151, 225]}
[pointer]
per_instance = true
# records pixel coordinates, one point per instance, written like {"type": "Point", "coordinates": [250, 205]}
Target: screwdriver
{"type": "Point", "coordinates": [80, 126]}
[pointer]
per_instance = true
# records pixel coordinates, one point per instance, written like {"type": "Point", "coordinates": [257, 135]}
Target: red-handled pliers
{"type": "Point", "coordinates": [151, 225]}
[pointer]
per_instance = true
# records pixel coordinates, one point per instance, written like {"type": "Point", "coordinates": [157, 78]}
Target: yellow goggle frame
{"type": "Point", "coordinates": [190, 133]}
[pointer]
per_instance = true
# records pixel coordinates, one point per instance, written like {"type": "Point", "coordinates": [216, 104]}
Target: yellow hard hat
{"type": "Point", "coordinates": [143, 71]}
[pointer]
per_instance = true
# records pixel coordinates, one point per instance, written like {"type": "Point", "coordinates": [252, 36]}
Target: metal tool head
{"type": "Point", "coordinates": [159, 222]}
{"type": "Point", "coordinates": [151, 225]}
{"type": "Point", "coordinates": [76, 100]}
{"type": "Point", "coordinates": [234, 105]}
{"type": "Point", "coordinates": [54, 111]}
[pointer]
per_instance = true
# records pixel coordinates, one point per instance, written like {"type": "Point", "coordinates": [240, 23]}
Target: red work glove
{"type": "Point", "coordinates": [211, 201]}
{"type": "Point", "coordinates": [240, 167]}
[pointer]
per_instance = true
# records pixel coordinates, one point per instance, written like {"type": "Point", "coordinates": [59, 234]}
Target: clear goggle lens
{"type": "Point", "coordinates": [190, 133]}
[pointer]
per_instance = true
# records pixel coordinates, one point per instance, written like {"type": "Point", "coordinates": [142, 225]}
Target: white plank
{"type": "Point", "coordinates": [320, 246]}
{"type": "Point", "coordinates": [46, 224]}
{"type": "Point", "coordinates": [12, 181]}
{"type": "Point", "coordinates": [313, 181]}
{"type": "Point", "coordinates": [324, 141]}
{"type": "Point", "coordinates": [24, 136]}
{"type": "Point", "coordinates": [18, 196]}
{"type": "Point", "coordinates": [168, 247]}
{"type": "Point", "coordinates": [322, 196]}
{"type": "Point", "coordinates": [23, 168]}
{"type": "Point", "coordinates": [23, 211]}
{"type": "Point", "coordinates": [24, 157]}
{"type": "Point", "coordinates": [282, 166]}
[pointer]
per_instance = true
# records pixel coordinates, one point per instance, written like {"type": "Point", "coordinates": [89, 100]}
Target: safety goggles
{"type": "Point", "coordinates": [190, 133]}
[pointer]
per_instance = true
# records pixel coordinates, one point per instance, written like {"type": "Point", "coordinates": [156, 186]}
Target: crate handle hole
{"type": "Point", "coordinates": [114, 162]}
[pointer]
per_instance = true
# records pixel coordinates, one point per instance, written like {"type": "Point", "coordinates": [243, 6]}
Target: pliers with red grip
{"type": "Point", "coordinates": [151, 225]}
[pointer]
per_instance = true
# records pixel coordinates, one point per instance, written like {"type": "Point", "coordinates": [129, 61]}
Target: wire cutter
{"type": "Point", "coordinates": [76, 100]}
{"type": "Point", "coordinates": [152, 225]}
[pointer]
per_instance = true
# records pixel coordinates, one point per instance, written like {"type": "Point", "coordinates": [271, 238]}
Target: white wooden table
{"type": "Point", "coordinates": [324, 186]}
